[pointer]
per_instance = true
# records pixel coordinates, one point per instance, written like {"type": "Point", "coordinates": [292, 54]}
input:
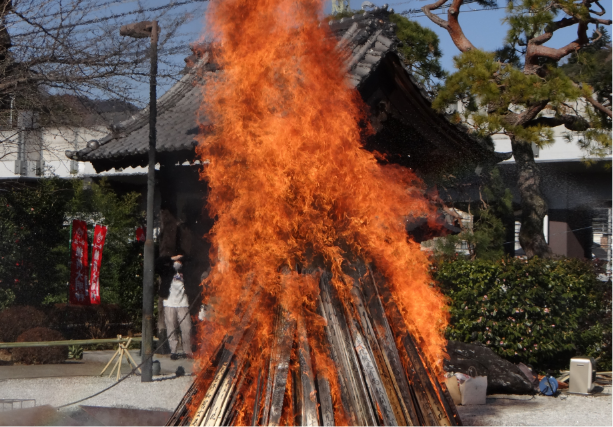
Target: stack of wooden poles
{"type": "Point", "coordinates": [381, 383]}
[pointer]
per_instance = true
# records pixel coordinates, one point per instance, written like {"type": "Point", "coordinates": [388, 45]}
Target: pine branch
{"type": "Point", "coordinates": [598, 106]}
{"type": "Point", "coordinates": [438, 21]}
{"type": "Point", "coordinates": [536, 49]}
{"type": "Point", "coordinates": [526, 116]}
{"type": "Point", "coordinates": [571, 122]}
{"type": "Point", "coordinates": [452, 25]}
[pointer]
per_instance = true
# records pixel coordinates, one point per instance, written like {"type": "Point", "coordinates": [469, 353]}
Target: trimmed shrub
{"type": "Point", "coordinates": [40, 355]}
{"type": "Point", "coordinates": [540, 311]}
{"type": "Point", "coordinates": [89, 321]}
{"type": "Point", "coordinates": [14, 321]}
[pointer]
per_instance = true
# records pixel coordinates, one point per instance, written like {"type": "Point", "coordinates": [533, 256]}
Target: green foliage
{"type": "Point", "coordinates": [498, 89]}
{"type": "Point", "coordinates": [7, 298]}
{"type": "Point", "coordinates": [540, 311]}
{"type": "Point", "coordinates": [90, 321]}
{"type": "Point", "coordinates": [75, 352]}
{"type": "Point", "coordinates": [420, 51]}
{"type": "Point", "coordinates": [591, 67]}
{"type": "Point", "coordinates": [344, 14]}
{"type": "Point", "coordinates": [508, 54]}
{"type": "Point", "coordinates": [486, 239]}
{"type": "Point", "coordinates": [34, 242]}
{"type": "Point", "coordinates": [529, 18]}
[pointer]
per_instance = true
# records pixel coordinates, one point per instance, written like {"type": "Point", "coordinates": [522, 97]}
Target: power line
{"type": "Point", "coordinates": [109, 17]}
{"type": "Point", "coordinates": [82, 31]}
{"type": "Point", "coordinates": [411, 11]}
{"type": "Point", "coordinates": [404, 2]}
{"type": "Point", "coordinates": [465, 3]}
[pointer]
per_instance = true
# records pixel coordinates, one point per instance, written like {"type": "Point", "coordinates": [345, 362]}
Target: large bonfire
{"type": "Point", "coordinates": [309, 228]}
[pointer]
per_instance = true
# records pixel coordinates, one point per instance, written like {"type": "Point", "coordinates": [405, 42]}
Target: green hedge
{"type": "Point", "coordinates": [540, 311]}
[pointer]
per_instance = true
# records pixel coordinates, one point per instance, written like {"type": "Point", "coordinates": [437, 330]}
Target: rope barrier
{"type": "Point", "coordinates": [67, 342]}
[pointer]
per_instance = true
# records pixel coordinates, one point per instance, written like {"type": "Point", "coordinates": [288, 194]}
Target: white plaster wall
{"type": "Point", "coordinates": [55, 141]}
{"type": "Point", "coordinates": [560, 150]}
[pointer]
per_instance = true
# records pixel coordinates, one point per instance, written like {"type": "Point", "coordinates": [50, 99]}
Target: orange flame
{"type": "Point", "coordinates": [291, 184]}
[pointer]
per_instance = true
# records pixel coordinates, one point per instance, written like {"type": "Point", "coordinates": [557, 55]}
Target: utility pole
{"type": "Point", "coordinates": [142, 30]}
{"type": "Point", "coordinates": [609, 220]}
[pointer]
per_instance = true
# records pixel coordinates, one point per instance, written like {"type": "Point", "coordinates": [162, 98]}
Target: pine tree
{"type": "Point", "coordinates": [420, 51]}
{"type": "Point", "coordinates": [592, 65]}
{"type": "Point", "coordinates": [521, 92]}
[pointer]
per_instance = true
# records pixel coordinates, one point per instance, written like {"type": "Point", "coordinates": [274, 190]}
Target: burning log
{"type": "Point", "coordinates": [382, 375]}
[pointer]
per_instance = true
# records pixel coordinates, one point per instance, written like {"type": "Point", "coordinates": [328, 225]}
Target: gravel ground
{"type": "Point", "coordinates": [164, 393]}
{"type": "Point", "coordinates": [565, 410]}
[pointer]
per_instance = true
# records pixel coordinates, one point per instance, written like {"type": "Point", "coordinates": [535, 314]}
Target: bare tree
{"type": "Point", "coordinates": [524, 101]}
{"type": "Point", "coordinates": [58, 58]}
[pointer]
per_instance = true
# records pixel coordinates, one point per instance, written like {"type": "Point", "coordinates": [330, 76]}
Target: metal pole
{"type": "Point", "coordinates": [609, 219]}
{"type": "Point", "coordinates": [148, 273]}
{"type": "Point", "coordinates": [69, 264]}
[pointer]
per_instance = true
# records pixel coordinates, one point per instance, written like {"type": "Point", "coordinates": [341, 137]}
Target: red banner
{"type": "Point", "coordinates": [94, 281]}
{"type": "Point", "coordinates": [141, 234]}
{"type": "Point", "coordinates": [79, 290]}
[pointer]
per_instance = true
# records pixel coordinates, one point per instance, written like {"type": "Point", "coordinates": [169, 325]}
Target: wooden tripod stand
{"type": "Point", "coordinates": [122, 351]}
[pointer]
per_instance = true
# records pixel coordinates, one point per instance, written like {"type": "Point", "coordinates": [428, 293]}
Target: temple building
{"type": "Point", "coordinates": [408, 132]}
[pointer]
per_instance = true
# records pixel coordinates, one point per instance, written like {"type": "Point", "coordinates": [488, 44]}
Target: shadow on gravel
{"type": "Point", "coordinates": [481, 415]}
{"type": "Point", "coordinates": [83, 416]}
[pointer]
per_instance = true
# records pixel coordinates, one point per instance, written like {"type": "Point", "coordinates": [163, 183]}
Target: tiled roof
{"type": "Point", "coordinates": [176, 124]}
{"type": "Point", "coordinates": [368, 36]}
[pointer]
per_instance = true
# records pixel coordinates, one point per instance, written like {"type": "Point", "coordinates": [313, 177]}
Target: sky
{"type": "Point", "coordinates": [484, 28]}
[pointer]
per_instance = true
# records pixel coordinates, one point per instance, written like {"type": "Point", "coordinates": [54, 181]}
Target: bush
{"type": "Point", "coordinates": [541, 311]}
{"type": "Point", "coordinates": [15, 321]}
{"type": "Point", "coordinates": [40, 355]}
{"type": "Point", "coordinates": [7, 298]}
{"type": "Point", "coordinates": [89, 321]}
{"type": "Point", "coordinates": [33, 240]}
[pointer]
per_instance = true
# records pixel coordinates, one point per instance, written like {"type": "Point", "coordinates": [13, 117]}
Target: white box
{"type": "Point", "coordinates": [582, 375]}
{"type": "Point", "coordinates": [453, 386]}
{"type": "Point", "coordinates": [473, 391]}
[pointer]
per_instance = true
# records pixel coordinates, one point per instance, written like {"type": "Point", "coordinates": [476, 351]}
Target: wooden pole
{"type": "Point", "coordinates": [107, 365]}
